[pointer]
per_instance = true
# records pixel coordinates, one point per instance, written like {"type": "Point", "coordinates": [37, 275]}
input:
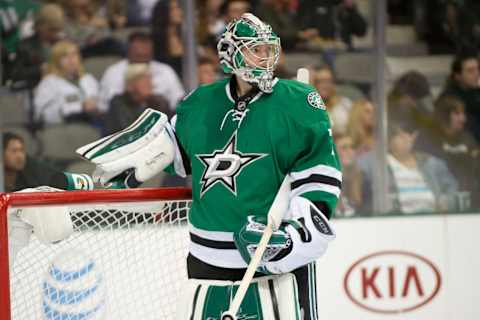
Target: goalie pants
{"type": "Point", "coordinates": [305, 276]}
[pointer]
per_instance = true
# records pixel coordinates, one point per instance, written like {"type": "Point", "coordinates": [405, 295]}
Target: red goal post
{"type": "Point", "coordinates": [122, 214]}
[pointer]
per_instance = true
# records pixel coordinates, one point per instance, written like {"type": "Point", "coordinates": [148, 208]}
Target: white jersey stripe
{"type": "Point", "coordinates": [224, 258]}
{"type": "Point", "coordinates": [212, 235]}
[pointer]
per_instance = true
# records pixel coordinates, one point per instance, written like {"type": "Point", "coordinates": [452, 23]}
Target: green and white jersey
{"type": "Point", "coordinates": [239, 156]}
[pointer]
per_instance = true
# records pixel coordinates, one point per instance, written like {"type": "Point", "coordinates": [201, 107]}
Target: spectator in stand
{"type": "Point", "coordinates": [30, 63]}
{"type": "Point", "coordinates": [464, 84]}
{"type": "Point", "coordinates": [140, 50]}
{"type": "Point", "coordinates": [210, 22]}
{"type": "Point", "coordinates": [277, 14]}
{"type": "Point", "coordinates": [452, 27]}
{"type": "Point", "coordinates": [281, 71]}
{"type": "Point", "coordinates": [139, 12]}
{"type": "Point", "coordinates": [338, 107]}
{"type": "Point", "coordinates": [167, 31]}
{"type": "Point", "coordinates": [361, 126]}
{"type": "Point", "coordinates": [418, 182]}
{"type": "Point", "coordinates": [331, 20]}
{"type": "Point", "coordinates": [351, 197]}
{"type": "Point", "coordinates": [207, 71]}
{"type": "Point", "coordinates": [450, 142]}
{"type": "Point", "coordinates": [22, 171]}
{"type": "Point", "coordinates": [116, 13]}
{"type": "Point", "coordinates": [127, 107]}
{"type": "Point", "coordinates": [416, 86]}
{"type": "Point", "coordinates": [16, 23]}
{"type": "Point", "coordinates": [66, 93]}
{"type": "Point", "coordinates": [231, 10]}
{"type": "Point", "coordinates": [402, 108]}
{"type": "Point", "coordinates": [90, 31]}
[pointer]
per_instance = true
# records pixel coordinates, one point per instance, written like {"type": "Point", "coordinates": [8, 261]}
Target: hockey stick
{"type": "Point", "coordinates": [275, 214]}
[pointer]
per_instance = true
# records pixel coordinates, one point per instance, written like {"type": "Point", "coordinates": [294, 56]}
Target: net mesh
{"type": "Point", "coordinates": [124, 261]}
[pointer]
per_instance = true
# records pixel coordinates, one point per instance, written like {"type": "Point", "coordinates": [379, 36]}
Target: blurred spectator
{"type": "Point", "coordinates": [206, 71]}
{"type": "Point", "coordinates": [140, 50]}
{"type": "Point", "coordinates": [30, 62]}
{"type": "Point", "coordinates": [330, 20]}
{"type": "Point", "coordinates": [464, 84]}
{"type": "Point", "coordinates": [116, 13]}
{"type": "Point", "coordinates": [22, 171]}
{"type": "Point", "coordinates": [232, 10]}
{"type": "Point", "coordinates": [452, 143]}
{"type": "Point", "coordinates": [89, 30]}
{"type": "Point", "coordinates": [167, 31]}
{"type": "Point", "coordinates": [418, 182]}
{"type": "Point", "coordinates": [351, 197]}
{"type": "Point", "coordinates": [16, 23]}
{"type": "Point", "coordinates": [338, 107]}
{"type": "Point", "coordinates": [281, 71]}
{"type": "Point", "coordinates": [127, 107]}
{"type": "Point", "coordinates": [361, 126]}
{"type": "Point", "coordinates": [403, 108]}
{"type": "Point", "coordinates": [452, 27]}
{"type": "Point", "coordinates": [67, 93]}
{"type": "Point", "coordinates": [416, 86]}
{"type": "Point", "coordinates": [277, 14]}
{"type": "Point", "coordinates": [139, 12]}
{"type": "Point", "coordinates": [400, 12]}
{"type": "Point", "coordinates": [210, 22]}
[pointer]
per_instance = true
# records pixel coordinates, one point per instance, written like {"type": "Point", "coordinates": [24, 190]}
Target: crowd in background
{"type": "Point", "coordinates": [433, 139]}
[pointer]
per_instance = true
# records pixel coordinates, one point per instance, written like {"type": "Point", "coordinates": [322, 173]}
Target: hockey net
{"type": "Point", "coordinates": [125, 260]}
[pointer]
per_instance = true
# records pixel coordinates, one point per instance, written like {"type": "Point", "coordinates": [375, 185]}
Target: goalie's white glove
{"type": "Point", "coordinates": [302, 239]}
{"type": "Point", "coordinates": [49, 225]}
{"type": "Point", "coordinates": [135, 154]}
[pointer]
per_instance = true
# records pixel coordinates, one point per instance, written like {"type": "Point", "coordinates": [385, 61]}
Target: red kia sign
{"type": "Point", "coordinates": [392, 282]}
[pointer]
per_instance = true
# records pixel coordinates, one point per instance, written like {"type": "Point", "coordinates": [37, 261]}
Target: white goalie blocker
{"type": "Point", "coordinates": [48, 226]}
{"type": "Point", "coordinates": [140, 151]}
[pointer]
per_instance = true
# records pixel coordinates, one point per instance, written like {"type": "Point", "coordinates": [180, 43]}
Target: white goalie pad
{"type": "Point", "coordinates": [145, 147]}
{"type": "Point", "coordinates": [276, 298]}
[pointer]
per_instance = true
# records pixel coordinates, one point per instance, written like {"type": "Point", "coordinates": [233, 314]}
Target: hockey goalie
{"type": "Point", "coordinates": [238, 139]}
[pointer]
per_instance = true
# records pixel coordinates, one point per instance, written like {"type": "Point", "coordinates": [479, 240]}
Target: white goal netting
{"type": "Point", "coordinates": [124, 261]}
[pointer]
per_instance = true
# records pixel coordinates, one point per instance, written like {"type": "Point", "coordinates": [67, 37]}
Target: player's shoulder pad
{"type": "Point", "coordinates": [199, 96]}
{"type": "Point", "coordinates": [304, 102]}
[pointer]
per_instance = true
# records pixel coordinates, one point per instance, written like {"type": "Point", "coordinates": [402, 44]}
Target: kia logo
{"type": "Point", "coordinates": [392, 282]}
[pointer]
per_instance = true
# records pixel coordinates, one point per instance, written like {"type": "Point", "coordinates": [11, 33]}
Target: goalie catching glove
{"type": "Point", "coordinates": [135, 154]}
{"type": "Point", "coordinates": [299, 241]}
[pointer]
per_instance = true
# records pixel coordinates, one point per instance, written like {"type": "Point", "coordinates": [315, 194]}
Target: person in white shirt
{"type": "Point", "coordinates": [140, 50]}
{"type": "Point", "coordinates": [66, 92]}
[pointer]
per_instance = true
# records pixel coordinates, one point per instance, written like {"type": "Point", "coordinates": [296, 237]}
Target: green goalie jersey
{"type": "Point", "coordinates": [238, 154]}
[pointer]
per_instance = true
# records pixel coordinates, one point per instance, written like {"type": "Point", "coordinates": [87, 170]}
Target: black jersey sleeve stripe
{"type": "Point", "coordinates": [212, 243]}
{"type": "Point", "coordinates": [317, 178]}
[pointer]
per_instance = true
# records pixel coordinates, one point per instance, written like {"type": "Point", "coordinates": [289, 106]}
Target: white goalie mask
{"type": "Point", "coordinates": [250, 49]}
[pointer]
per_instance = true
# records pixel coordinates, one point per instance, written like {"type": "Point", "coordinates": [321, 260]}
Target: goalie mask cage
{"type": "Point", "coordinates": [125, 259]}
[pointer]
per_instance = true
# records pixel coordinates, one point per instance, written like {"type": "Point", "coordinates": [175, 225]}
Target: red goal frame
{"type": "Point", "coordinates": [74, 197]}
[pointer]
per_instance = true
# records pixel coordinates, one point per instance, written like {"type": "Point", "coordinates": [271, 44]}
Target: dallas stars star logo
{"type": "Point", "coordinates": [224, 166]}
